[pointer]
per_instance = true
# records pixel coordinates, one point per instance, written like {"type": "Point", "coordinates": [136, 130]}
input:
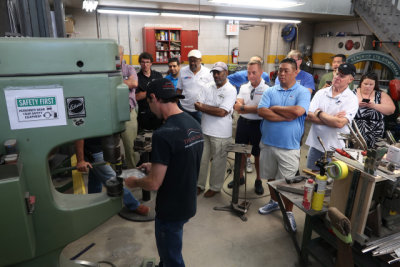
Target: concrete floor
{"type": "Point", "coordinates": [211, 238]}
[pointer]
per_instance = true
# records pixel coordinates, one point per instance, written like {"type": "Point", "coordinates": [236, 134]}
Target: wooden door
{"type": "Point", "coordinates": [149, 41]}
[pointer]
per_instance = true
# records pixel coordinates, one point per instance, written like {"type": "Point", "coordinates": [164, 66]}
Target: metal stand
{"type": "Point", "coordinates": [133, 216]}
{"type": "Point", "coordinates": [238, 209]}
{"type": "Point", "coordinates": [145, 156]}
{"type": "Point", "coordinates": [142, 145]}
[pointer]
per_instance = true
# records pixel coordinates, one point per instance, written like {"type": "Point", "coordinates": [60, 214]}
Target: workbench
{"type": "Point", "coordinates": [322, 248]}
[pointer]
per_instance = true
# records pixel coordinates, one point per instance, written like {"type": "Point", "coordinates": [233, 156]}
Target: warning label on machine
{"type": "Point", "coordinates": [36, 108]}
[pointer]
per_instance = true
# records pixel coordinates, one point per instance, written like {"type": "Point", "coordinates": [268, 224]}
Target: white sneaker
{"type": "Point", "coordinates": [291, 221]}
{"type": "Point", "coordinates": [269, 207]}
{"type": "Point", "coordinates": [249, 166]}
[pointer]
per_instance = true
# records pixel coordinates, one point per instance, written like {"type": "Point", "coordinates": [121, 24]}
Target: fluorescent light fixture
{"type": "Point", "coordinates": [282, 20]}
{"type": "Point", "coordinates": [127, 12]}
{"type": "Point", "coordinates": [89, 5]}
{"type": "Point", "coordinates": [260, 3]}
{"type": "Point", "coordinates": [237, 18]}
{"type": "Point", "coordinates": [182, 15]}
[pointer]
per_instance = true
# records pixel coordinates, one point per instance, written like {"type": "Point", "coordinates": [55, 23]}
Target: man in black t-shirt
{"type": "Point", "coordinates": [177, 147]}
{"type": "Point", "coordinates": [146, 119]}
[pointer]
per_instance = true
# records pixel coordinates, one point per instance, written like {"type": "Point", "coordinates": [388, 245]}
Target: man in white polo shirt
{"type": "Point", "coordinates": [216, 103]}
{"type": "Point", "coordinates": [192, 80]}
{"type": "Point", "coordinates": [248, 126]}
{"type": "Point", "coordinates": [331, 109]}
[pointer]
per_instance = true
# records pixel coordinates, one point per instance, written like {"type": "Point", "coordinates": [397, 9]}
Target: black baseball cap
{"type": "Point", "coordinates": [347, 68]}
{"type": "Point", "coordinates": [163, 88]}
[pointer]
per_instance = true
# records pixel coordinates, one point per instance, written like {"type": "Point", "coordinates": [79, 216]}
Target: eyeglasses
{"type": "Point", "coordinates": [145, 62]}
{"type": "Point", "coordinates": [252, 93]}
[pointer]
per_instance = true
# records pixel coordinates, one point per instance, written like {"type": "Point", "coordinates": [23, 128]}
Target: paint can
{"type": "Point", "coordinates": [308, 193]}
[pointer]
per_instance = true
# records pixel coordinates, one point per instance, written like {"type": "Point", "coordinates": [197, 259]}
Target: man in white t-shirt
{"type": "Point", "coordinates": [216, 104]}
{"type": "Point", "coordinates": [331, 109]}
{"type": "Point", "coordinates": [248, 125]}
{"type": "Point", "coordinates": [192, 80]}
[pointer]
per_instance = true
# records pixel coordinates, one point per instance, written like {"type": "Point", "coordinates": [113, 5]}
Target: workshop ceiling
{"type": "Point", "coordinates": [312, 10]}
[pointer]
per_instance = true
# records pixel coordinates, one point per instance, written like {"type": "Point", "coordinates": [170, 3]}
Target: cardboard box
{"type": "Point", "coordinates": [69, 25]}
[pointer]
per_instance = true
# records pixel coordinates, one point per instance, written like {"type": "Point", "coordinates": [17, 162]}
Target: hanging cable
{"type": "Point", "coordinates": [198, 34]}
{"type": "Point", "coordinates": [358, 28]}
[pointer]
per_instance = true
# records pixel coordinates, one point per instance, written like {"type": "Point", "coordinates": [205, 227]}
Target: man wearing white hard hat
{"type": "Point", "coordinates": [192, 80]}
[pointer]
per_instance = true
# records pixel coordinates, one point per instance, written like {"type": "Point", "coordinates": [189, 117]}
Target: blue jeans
{"type": "Point", "coordinates": [314, 155]}
{"type": "Point", "coordinates": [169, 242]}
{"type": "Point", "coordinates": [195, 114]}
{"type": "Point", "coordinates": [98, 175]}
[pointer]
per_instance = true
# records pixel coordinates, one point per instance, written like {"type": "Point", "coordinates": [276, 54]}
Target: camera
{"type": "Point", "coordinates": [365, 100]}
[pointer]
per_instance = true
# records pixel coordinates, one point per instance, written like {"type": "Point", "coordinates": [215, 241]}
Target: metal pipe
{"type": "Point", "coordinates": [390, 247]}
{"type": "Point", "coordinates": [129, 40]}
{"type": "Point", "coordinates": [98, 25]}
{"type": "Point", "coordinates": [59, 15]}
{"type": "Point", "coordinates": [118, 29]}
{"type": "Point", "coordinates": [60, 170]}
{"type": "Point", "coordinates": [383, 241]}
{"type": "Point", "coordinates": [394, 260]}
{"type": "Point", "coordinates": [385, 251]}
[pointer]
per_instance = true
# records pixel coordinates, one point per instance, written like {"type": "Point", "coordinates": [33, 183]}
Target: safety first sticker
{"type": "Point", "coordinates": [36, 106]}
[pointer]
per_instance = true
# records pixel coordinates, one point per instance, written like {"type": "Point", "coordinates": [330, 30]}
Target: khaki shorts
{"type": "Point", "coordinates": [278, 163]}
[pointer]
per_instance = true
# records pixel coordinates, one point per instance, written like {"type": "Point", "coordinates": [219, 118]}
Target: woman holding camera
{"type": "Point", "coordinates": [373, 105]}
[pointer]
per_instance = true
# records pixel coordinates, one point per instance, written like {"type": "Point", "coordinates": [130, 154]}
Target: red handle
{"type": "Point", "coordinates": [343, 153]}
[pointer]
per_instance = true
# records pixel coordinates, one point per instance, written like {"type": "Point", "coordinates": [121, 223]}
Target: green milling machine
{"type": "Point", "coordinates": [52, 92]}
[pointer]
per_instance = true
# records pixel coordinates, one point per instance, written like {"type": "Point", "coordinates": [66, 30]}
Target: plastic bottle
{"type": "Point", "coordinates": [319, 192]}
{"type": "Point", "coordinates": [308, 193]}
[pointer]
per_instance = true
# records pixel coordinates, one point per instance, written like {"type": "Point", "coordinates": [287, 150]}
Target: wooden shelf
{"type": "Point", "coordinates": [168, 41]}
{"type": "Point", "coordinates": [186, 40]}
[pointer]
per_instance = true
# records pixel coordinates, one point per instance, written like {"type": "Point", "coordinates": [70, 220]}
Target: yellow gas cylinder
{"type": "Point", "coordinates": [319, 192]}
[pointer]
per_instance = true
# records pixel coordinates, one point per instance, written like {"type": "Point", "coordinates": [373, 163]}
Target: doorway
{"type": "Point", "coordinates": [251, 42]}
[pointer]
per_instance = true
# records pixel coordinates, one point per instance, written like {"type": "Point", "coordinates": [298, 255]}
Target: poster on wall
{"type": "Point", "coordinates": [36, 106]}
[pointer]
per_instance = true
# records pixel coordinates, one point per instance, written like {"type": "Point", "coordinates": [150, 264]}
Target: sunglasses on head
{"type": "Point", "coordinates": [252, 93]}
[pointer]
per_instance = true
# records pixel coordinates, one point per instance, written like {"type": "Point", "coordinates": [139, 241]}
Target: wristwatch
{"type": "Point", "coordinates": [242, 108]}
{"type": "Point", "coordinates": [319, 113]}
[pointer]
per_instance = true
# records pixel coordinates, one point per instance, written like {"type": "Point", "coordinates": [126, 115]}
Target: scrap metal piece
{"type": "Point", "coordinates": [359, 135]}
{"type": "Point", "coordinates": [390, 137]}
{"type": "Point", "coordinates": [374, 156]}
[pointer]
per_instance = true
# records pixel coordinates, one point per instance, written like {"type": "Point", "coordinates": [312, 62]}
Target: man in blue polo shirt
{"type": "Point", "coordinates": [302, 78]}
{"type": "Point", "coordinates": [283, 109]}
{"type": "Point", "coordinates": [174, 66]}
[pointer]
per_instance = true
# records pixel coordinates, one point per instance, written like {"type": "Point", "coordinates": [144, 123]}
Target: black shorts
{"type": "Point", "coordinates": [248, 132]}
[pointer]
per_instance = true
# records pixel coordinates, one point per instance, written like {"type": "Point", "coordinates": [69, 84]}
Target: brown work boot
{"type": "Point", "coordinates": [210, 193]}
{"type": "Point", "coordinates": [142, 210]}
{"type": "Point", "coordinates": [199, 190]}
